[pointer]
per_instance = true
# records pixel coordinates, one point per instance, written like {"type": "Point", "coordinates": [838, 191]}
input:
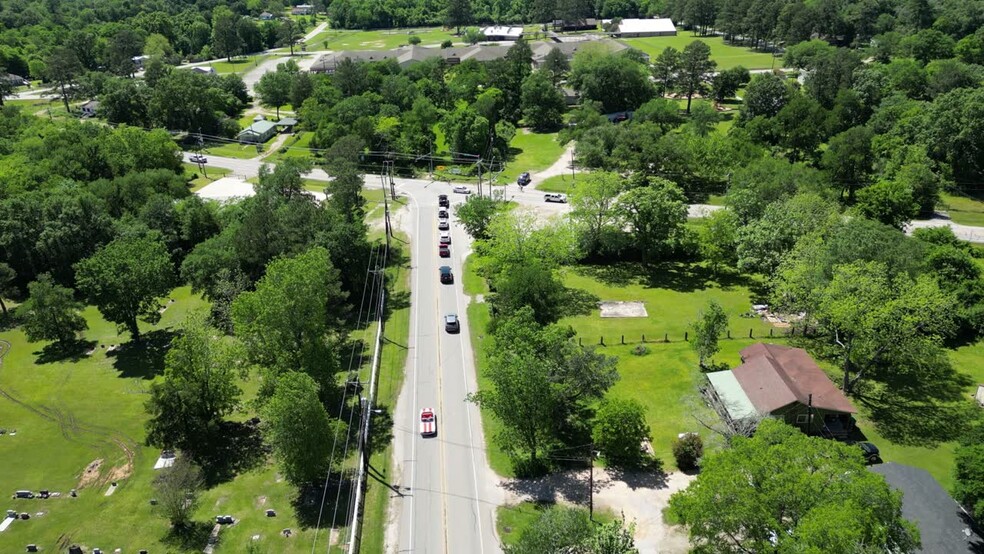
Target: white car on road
{"type": "Point", "coordinates": [555, 197]}
{"type": "Point", "coordinates": [428, 422]}
{"type": "Point", "coordinates": [462, 189]}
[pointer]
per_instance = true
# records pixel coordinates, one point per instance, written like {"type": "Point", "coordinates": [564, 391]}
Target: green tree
{"type": "Point", "coordinates": [199, 389]}
{"type": "Point", "coordinates": [889, 202]}
{"type": "Point", "coordinates": [839, 504]}
{"type": "Point", "coordinates": [696, 66]}
{"type": "Point", "coordinates": [543, 105]}
{"type": "Point", "coordinates": [126, 280]}
{"type": "Point", "coordinates": [558, 530]}
{"type": "Point", "coordinates": [299, 430]}
{"type": "Point", "coordinates": [458, 13]}
{"type": "Point", "coordinates": [613, 537]}
{"type": "Point", "coordinates": [849, 160]}
{"type": "Point", "coordinates": [274, 88]}
{"type": "Point", "coordinates": [7, 288]}
{"type": "Point", "coordinates": [63, 67]}
{"type": "Point", "coordinates": [710, 325]}
{"type": "Point", "coordinates": [290, 33]}
{"type": "Point", "coordinates": [285, 323]}
{"type": "Point", "coordinates": [556, 65]}
{"type": "Point", "coordinates": [718, 239]}
{"type": "Point", "coordinates": [763, 243]}
{"type": "Point", "coordinates": [617, 82]}
{"type": "Point", "coordinates": [688, 451]}
{"type": "Point", "coordinates": [531, 284]}
{"type": "Point", "coordinates": [123, 46]}
{"type": "Point", "coordinates": [476, 213]}
{"type": "Point", "coordinates": [51, 312]}
{"type": "Point", "coordinates": [342, 161]}
{"type": "Point", "coordinates": [176, 489]}
{"type": "Point", "coordinates": [225, 36]}
{"type": "Point", "coordinates": [727, 82]}
{"type": "Point", "coordinates": [765, 95]}
{"type": "Point", "coordinates": [703, 119]}
{"type": "Point", "coordinates": [6, 86]}
{"type": "Point", "coordinates": [656, 215]}
{"type": "Point", "coordinates": [666, 70]}
{"type": "Point", "coordinates": [969, 476]}
{"type": "Point", "coordinates": [593, 211]}
{"type": "Point", "coordinates": [620, 427]}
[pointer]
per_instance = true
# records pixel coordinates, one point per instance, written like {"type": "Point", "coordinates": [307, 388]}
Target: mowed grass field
{"type": "Point", "coordinates": [726, 55]}
{"type": "Point", "coordinates": [379, 39]}
{"type": "Point", "coordinates": [965, 210]}
{"type": "Point", "coordinates": [531, 152]}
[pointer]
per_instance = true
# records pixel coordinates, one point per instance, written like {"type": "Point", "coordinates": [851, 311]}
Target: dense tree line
{"type": "Point", "coordinates": [105, 35]}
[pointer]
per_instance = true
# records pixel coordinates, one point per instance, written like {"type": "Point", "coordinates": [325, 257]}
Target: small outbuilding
{"type": "Point", "coordinates": [258, 133]}
{"type": "Point", "coordinates": [630, 28]}
{"type": "Point", "coordinates": [266, 16]}
{"type": "Point", "coordinates": [90, 108]}
{"type": "Point", "coordinates": [302, 9]}
{"type": "Point", "coordinates": [204, 69]}
{"type": "Point", "coordinates": [287, 124]}
{"type": "Point", "coordinates": [498, 33]}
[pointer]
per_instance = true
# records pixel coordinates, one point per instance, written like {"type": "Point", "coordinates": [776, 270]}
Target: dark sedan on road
{"type": "Point", "coordinates": [446, 276]}
{"type": "Point", "coordinates": [444, 251]}
{"type": "Point", "coordinates": [451, 323]}
{"type": "Point", "coordinates": [443, 201]}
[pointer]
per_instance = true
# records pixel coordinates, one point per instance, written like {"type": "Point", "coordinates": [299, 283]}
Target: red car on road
{"type": "Point", "coordinates": [428, 422]}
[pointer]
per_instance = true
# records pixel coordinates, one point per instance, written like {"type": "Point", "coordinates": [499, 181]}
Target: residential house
{"type": "Point", "coordinates": [258, 133]}
{"type": "Point", "coordinates": [139, 61]}
{"type": "Point", "coordinates": [266, 16]}
{"type": "Point", "coordinates": [302, 9]}
{"type": "Point", "coordinates": [205, 69]}
{"type": "Point", "coordinates": [570, 46]}
{"type": "Point", "coordinates": [497, 33]}
{"type": "Point", "coordinates": [629, 28]}
{"type": "Point", "coordinates": [785, 383]}
{"type": "Point", "coordinates": [943, 525]}
{"type": "Point", "coordinates": [90, 108]}
{"type": "Point", "coordinates": [16, 80]}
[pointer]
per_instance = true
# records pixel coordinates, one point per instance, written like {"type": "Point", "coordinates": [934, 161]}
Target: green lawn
{"type": "Point", "coordinates": [197, 180]}
{"type": "Point", "coordinates": [557, 183]}
{"type": "Point", "coordinates": [238, 65]}
{"type": "Point", "coordinates": [232, 150]}
{"type": "Point", "coordinates": [379, 39]}
{"type": "Point", "coordinates": [964, 210]}
{"type": "Point", "coordinates": [512, 521]}
{"type": "Point", "coordinates": [297, 147]}
{"type": "Point", "coordinates": [530, 152]}
{"type": "Point", "coordinates": [726, 55]}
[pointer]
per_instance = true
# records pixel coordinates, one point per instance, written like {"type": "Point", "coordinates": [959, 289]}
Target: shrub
{"type": "Point", "coordinates": [641, 350]}
{"type": "Point", "coordinates": [619, 429]}
{"type": "Point", "coordinates": [688, 450]}
{"type": "Point", "coordinates": [447, 44]}
{"type": "Point", "coordinates": [414, 40]}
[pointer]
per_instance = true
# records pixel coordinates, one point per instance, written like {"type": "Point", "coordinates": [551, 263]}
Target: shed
{"type": "Point", "coordinates": [287, 124]}
{"type": "Point", "coordinates": [302, 9]}
{"type": "Point", "coordinates": [90, 108]}
{"type": "Point", "coordinates": [266, 16]}
{"type": "Point", "coordinates": [206, 69]}
{"type": "Point", "coordinates": [629, 28]}
{"type": "Point", "coordinates": [259, 132]}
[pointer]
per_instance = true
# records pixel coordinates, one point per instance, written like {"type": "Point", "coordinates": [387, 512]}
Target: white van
{"type": "Point", "coordinates": [555, 197]}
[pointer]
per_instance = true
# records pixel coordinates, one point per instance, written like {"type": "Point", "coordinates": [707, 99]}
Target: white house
{"type": "Point", "coordinates": [266, 16]}
{"type": "Point", "coordinates": [302, 9]}
{"type": "Point", "coordinates": [90, 108]}
{"type": "Point", "coordinates": [498, 33]}
{"type": "Point", "coordinates": [629, 28]}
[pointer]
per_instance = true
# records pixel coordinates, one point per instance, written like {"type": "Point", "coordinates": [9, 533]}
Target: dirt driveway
{"type": "Point", "coordinates": [641, 497]}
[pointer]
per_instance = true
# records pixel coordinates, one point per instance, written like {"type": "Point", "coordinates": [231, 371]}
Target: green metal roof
{"type": "Point", "coordinates": [731, 394]}
{"type": "Point", "coordinates": [261, 127]}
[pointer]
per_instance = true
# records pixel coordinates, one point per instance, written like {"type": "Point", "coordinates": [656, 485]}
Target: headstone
{"type": "Point", "coordinates": [32, 548]}
{"type": "Point", "coordinates": [74, 493]}
{"type": "Point", "coordinates": [75, 549]}
{"type": "Point", "coordinates": [25, 515]}
{"type": "Point", "coordinates": [271, 513]}
{"type": "Point", "coordinates": [153, 501]}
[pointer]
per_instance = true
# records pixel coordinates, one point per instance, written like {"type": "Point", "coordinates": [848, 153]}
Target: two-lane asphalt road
{"type": "Point", "coordinates": [451, 493]}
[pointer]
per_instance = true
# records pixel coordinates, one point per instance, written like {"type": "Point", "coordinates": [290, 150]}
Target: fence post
{"type": "Point", "coordinates": [601, 341]}
{"type": "Point", "coordinates": [643, 339]}
{"type": "Point", "coordinates": [729, 333]}
{"type": "Point", "coordinates": [623, 339]}
{"type": "Point", "coordinates": [686, 336]}
{"type": "Point", "coordinates": [770, 332]}
{"type": "Point", "coordinates": [579, 341]}
{"type": "Point", "coordinates": [666, 337]}
{"type": "Point", "coordinates": [750, 333]}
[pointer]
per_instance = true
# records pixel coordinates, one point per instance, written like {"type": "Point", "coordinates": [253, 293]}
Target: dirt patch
{"type": "Point", "coordinates": [119, 473]}
{"type": "Point", "coordinates": [90, 475]}
{"type": "Point", "coordinates": [261, 501]}
{"type": "Point", "coordinates": [623, 309]}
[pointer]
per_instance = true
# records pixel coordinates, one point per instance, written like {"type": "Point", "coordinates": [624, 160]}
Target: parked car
{"type": "Point", "coordinates": [442, 214]}
{"type": "Point", "coordinates": [428, 422]}
{"type": "Point", "coordinates": [443, 201]}
{"type": "Point", "coordinates": [462, 189]}
{"type": "Point", "coordinates": [445, 237]}
{"type": "Point", "coordinates": [451, 323]}
{"type": "Point", "coordinates": [870, 452]}
{"type": "Point", "coordinates": [443, 225]}
{"type": "Point", "coordinates": [446, 276]}
{"type": "Point", "coordinates": [443, 251]}
{"type": "Point", "coordinates": [555, 197]}
{"type": "Point", "coordinates": [524, 179]}
{"type": "Point", "coordinates": [199, 159]}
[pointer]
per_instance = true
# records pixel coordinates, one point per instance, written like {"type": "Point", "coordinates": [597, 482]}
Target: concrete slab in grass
{"type": "Point", "coordinates": [623, 309]}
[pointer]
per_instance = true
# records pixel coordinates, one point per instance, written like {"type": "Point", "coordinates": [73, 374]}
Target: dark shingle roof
{"type": "Point", "coordinates": [944, 527]}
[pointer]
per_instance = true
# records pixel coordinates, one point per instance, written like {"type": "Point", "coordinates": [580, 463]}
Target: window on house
{"type": "Point", "coordinates": [801, 418]}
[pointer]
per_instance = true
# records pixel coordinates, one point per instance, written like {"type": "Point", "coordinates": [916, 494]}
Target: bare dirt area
{"type": "Point", "coordinates": [90, 475]}
{"type": "Point", "coordinates": [640, 497]}
{"type": "Point", "coordinates": [623, 309]}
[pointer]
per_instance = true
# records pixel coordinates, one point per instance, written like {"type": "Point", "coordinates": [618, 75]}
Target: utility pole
{"type": "Point", "coordinates": [573, 177]}
{"type": "Point", "coordinates": [591, 482]}
{"type": "Point", "coordinates": [480, 177]}
{"type": "Point", "coordinates": [392, 169]}
{"type": "Point", "coordinates": [201, 143]}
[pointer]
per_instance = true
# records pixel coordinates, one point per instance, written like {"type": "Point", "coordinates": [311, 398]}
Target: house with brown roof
{"type": "Point", "coordinates": [785, 383]}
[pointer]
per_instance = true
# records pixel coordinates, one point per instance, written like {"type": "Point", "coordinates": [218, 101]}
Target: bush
{"type": "Point", "coordinates": [414, 40]}
{"type": "Point", "coordinates": [687, 451]}
{"type": "Point", "coordinates": [640, 350]}
{"type": "Point", "coordinates": [447, 44]}
{"type": "Point", "coordinates": [619, 429]}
